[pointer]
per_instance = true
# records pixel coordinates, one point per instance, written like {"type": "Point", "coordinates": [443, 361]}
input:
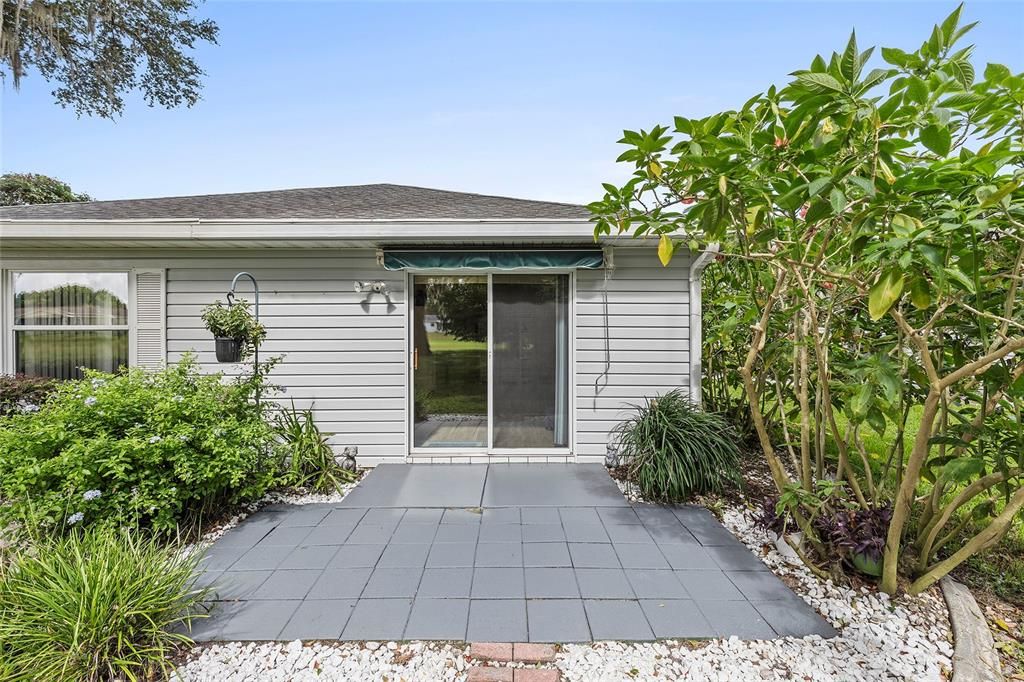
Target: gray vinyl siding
{"type": "Point", "coordinates": [350, 361]}
{"type": "Point", "coordinates": [631, 343]}
{"type": "Point", "coordinates": [344, 357]}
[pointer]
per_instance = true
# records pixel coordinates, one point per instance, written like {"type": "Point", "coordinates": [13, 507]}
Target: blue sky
{"type": "Point", "coordinates": [495, 97]}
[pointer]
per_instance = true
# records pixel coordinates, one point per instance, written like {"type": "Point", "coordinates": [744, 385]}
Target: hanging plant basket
{"type": "Point", "coordinates": [228, 350]}
{"type": "Point", "coordinates": [235, 331]}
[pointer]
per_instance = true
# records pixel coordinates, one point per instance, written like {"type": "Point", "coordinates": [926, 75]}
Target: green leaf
{"type": "Point", "coordinates": [850, 65]}
{"type": "Point", "coordinates": [862, 400]}
{"type": "Point", "coordinates": [917, 90]}
{"type": "Point", "coordinates": [895, 56]}
{"type": "Point", "coordinates": [815, 186]}
{"type": "Point", "coordinates": [903, 225]}
{"type": "Point", "coordinates": [884, 294]}
{"type": "Point", "coordinates": [889, 107]}
{"type": "Point", "coordinates": [837, 199]}
{"type": "Point", "coordinates": [875, 77]}
{"type": "Point", "coordinates": [936, 41]}
{"type": "Point", "coordinates": [817, 210]}
{"type": "Point", "coordinates": [963, 72]}
{"type": "Point", "coordinates": [963, 469]}
{"type": "Point", "coordinates": [822, 80]}
{"type": "Point", "coordinates": [997, 73]}
{"type": "Point", "coordinates": [962, 100]}
{"type": "Point", "coordinates": [865, 185]}
{"type": "Point", "coordinates": [876, 420]}
{"type": "Point", "coordinates": [937, 139]}
{"type": "Point", "coordinates": [963, 280]}
{"type": "Point", "coordinates": [932, 254]}
{"type": "Point", "coordinates": [950, 23]}
{"type": "Point", "coordinates": [997, 196]}
{"type": "Point", "coordinates": [920, 296]}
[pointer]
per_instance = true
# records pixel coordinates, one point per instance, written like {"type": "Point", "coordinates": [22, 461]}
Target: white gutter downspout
{"type": "Point", "coordinates": [696, 332]}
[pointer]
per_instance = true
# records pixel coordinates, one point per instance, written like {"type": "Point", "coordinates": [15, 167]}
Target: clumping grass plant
{"type": "Point", "coordinates": [309, 458]}
{"type": "Point", "coordinates": [99, 603]}
{"type": "Point", "coordinates": [673, 450]}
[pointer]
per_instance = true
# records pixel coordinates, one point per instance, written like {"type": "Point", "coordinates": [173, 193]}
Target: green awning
{"type": "Point", "coordinates": [503, 259]}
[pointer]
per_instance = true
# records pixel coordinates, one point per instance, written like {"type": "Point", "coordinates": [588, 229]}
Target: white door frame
{"type": "Point", "coordinates": [413, 453]}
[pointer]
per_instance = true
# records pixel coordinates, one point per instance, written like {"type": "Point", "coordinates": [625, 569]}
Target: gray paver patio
{"type": "Point", "coordinates": [530, 552]}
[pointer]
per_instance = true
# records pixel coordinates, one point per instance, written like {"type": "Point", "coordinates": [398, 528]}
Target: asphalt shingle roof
{"type": "Point", "coordinates": [355, 202]}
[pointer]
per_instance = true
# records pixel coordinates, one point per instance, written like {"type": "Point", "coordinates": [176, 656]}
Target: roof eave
{"type": "Point", "coordinates": [206, 231]}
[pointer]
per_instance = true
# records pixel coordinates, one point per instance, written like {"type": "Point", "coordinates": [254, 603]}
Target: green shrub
{"type": "Point", "coordinates": [672, 449]}
{"type": "Point", "coordinates": [148, 449]}
{"type": "Point", "coordinates": [309, 457]}
{"type": "Point", "coordinates": [97, 604]}
{"type": "Point", "coordinates": [20, 393]}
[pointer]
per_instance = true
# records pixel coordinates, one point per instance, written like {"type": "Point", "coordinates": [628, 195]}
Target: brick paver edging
{"type": "Point", "coordinates": [490, 674]}
{"type": "Point", "coordinates": [519, 652]}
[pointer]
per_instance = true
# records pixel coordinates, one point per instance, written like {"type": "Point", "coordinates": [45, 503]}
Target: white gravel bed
{"type": "Point", "coordinates": [280, 497]}
{"type": "Point", "coordinates": [880, 639]}
{"type": "Point", "coordinates": [372, 662]}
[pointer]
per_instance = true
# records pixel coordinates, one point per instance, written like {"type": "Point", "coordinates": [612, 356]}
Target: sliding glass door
{"type": "Point", "coordinates": [490, 362]}
{"type": "Point", "coordinates": [531, 369]}
{"type": "Point", "coordinates": [449, 351]}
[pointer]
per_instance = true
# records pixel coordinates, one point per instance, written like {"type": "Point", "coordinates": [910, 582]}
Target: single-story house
{"type": "Point", "coordinates": [420, 324]}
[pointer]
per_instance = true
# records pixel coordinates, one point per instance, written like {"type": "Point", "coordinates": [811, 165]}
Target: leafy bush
{"type": "Point", "coordinates": [98, 604]}
{"type": "Point", "coordinates": [20, 393]}
{"type": "Point", "coordinates": [234, 322]}
{"type": "Point", "coordinates": [877, 215]}
{"type": "Point", "coordinates": [773, 519]}
{"type": "Point", "coordinates": [857, 535]}
{"type": "Point", "coordinates": [153, 449]}
{"type": "Point", "coordinates": [309, 457]}
{"type": "Point", "coordinates": [672, 449]}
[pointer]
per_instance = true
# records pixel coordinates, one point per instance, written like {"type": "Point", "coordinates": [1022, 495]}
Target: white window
{"type": "Point", "coordinates": [64, 321]}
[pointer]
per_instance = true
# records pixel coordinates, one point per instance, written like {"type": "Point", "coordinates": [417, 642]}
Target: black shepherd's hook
{"type": "Point", "coordinates": [256, 347]}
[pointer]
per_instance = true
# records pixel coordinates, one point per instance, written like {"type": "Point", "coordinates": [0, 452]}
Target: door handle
{"type": "Point", "coordinates": [415, 359]}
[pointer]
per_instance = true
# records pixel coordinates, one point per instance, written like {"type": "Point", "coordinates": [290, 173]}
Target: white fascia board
{"type": "Point", "coordinates": [212, 232]}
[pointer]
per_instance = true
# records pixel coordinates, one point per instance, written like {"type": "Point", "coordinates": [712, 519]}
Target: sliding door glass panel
{"type": "Point", "coordinates": [450, 361]}
{"type": "Point", "coordinates": [531, 361]}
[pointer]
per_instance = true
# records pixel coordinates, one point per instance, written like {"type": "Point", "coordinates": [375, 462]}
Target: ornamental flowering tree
{"type": "Point", "coordinates": [877, 217]}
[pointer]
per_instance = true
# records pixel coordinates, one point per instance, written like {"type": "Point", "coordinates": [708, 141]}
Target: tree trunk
{"type": "Point", "coordinates": [905, 495]}
{"type": "Point", "coordinates": [989, 536]}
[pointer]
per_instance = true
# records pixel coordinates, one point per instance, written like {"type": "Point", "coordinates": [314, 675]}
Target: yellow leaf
{"type": "Point", "coordinates": [723, 185]}
{"type": "Point", "coordinates": [623, 224]}
{"type": "Point", "coordinates": [886, 173]}
{"type": "Point", "coordinates": [655, 169]}
{"type": "Point", "coordinates": [752, 218]}
{"type": "Point", "coordinates": [884, 293]}
{"type": "Point", "coordinates": [1003, 625]}
{"type": "Point", "coordinates": [665, 249]}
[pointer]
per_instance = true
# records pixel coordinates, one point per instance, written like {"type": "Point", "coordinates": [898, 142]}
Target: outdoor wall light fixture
{"type": "Point", "coordinates": [377, 287]}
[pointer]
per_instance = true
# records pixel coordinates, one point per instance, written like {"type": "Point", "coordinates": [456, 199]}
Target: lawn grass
{"type": "Point", "coordinates": [452, 378]}
{"type": "Point", "coordinates": [443, 342]}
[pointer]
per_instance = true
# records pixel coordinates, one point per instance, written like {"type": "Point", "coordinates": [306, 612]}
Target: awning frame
{"type": "Point", "coordinates": [500, 259]}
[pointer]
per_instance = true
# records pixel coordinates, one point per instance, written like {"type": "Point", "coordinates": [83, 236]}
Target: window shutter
{"type": "Point", "coordinates": [149, 349]}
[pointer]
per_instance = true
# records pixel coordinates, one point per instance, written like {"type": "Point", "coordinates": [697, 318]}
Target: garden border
{"type": "Point", "coordinates": [974, 653]}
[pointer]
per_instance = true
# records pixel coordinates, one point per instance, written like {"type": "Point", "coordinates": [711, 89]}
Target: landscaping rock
{"type": "Point", "coordinates": [974, 655]}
